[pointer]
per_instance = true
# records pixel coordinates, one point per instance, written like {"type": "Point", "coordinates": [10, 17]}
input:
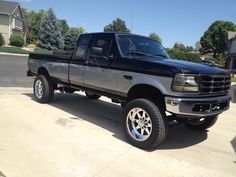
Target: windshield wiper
{"type": "Point", "coordinates": [137, 53]}
{"type": "Point", "coordinates": [160, 55]}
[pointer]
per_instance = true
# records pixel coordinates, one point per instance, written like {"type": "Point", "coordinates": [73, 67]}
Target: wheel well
{"type": "Point", "coordinates": [146, 91]}
{"type": "Point", "coordinates": [43, 71]}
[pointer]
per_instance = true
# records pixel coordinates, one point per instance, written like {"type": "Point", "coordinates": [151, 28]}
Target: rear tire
{"type": "Point", "coordinates": [202, 123]}
{"type": "Point", "coordinates": [92, 96]}
{"type": "Point", "coordinates": [43, 89]}
{"type": "Point", "coordinates": [144, 124]}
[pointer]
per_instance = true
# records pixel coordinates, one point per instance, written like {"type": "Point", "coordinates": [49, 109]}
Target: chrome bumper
{"type": "Point", "coordinates": [197, 106]}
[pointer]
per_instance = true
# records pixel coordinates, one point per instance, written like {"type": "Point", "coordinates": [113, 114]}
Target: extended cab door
{"type": "Point", "coordinates": [98, 73]}
{"type": "Point", "coordinates": [76, 69]}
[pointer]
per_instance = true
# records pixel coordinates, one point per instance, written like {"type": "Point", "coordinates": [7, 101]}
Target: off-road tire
{"type": "Point", "coordinates": [158, 119]}
{"type": "Point", "coordinates": [207, 123]}
{"type": "Point", "coordinates": [47, 89]}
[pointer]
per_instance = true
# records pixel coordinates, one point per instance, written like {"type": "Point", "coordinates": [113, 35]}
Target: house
{"type": "Point", "coordinates": [231, 53]}
{"type": "Point", "coordinates": [11, 20]}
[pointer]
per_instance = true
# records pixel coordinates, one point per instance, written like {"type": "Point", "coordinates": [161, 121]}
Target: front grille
{"type": "Point", "coordinates": [215, 84]}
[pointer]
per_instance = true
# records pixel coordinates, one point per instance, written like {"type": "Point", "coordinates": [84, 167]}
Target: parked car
{"type": "Point", "coordinates": [137, 72]}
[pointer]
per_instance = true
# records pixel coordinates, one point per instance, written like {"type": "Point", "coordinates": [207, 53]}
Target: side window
{"type": "Point", "coordinates": [100, 47]}
{"type": "Point", "coordinates": [82, 47]}
{"type": "Point", "coordinates": [113, 50]}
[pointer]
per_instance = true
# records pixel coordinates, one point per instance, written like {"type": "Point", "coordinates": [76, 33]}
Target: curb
{"type": "Point", "coordinates": [14, 54]}
{"type": "Point", "coordinates": [10, 90]}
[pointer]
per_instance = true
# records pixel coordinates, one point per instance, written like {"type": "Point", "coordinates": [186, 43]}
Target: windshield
{"type": "Point", "coordinates": [140, 46]}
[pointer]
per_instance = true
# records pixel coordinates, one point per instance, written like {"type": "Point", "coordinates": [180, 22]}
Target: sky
{"type": "Point", "coordinates": [181, 21]}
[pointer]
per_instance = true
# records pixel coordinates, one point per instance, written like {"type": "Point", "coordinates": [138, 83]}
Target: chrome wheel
{"type": "Point", "coordinates": [139, 124]}
{"type": "Point", "coordinates": [39, 89]}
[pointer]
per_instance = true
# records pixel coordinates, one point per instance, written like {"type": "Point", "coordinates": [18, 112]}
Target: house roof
{"type": "Point", "coordinates": [7, 7]}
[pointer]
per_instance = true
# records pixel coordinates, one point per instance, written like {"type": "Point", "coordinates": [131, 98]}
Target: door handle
{"type": "Point", "coordinates": [128, 77]}
{"type": "Point", "coordinates": [88, 62]}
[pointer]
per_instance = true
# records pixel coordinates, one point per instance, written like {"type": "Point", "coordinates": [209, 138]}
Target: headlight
{"type": "Point", "coordinates": [185, 83]}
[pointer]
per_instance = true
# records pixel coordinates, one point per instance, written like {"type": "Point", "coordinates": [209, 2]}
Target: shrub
{"type": "Point", "coordinates": [16, 40]}
{"type": "Point", "coordinates": [2, 42]}
{"type": "Point", "coordinates": [181, 55]}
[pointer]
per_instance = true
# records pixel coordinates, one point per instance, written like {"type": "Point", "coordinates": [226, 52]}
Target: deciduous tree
{"type": "Point", "coordinates": [155, 36]}
{"type": "Point", "coordinates": [117, 25]}
{"type": "Point", "coordinates": [64, 26]}
{"type": "Point", "coordinates": [214, 39]}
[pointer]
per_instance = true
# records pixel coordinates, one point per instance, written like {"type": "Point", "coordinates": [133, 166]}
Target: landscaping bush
{"type": "Point", "coordinates": [181, 55]}
{"type": "Point", "coordinates": [16, 40]}
{"type": "Point", "coordinates": [2, 42]}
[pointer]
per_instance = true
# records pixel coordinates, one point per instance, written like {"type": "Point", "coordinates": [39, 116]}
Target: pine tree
{"type": "Point", "coordinates": [50, 36]}
{"type": "Point", "coordinates": [71, 37]}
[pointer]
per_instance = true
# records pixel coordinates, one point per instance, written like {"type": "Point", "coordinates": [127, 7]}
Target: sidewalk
{"type": "Point", "coordinates": [13, 54]}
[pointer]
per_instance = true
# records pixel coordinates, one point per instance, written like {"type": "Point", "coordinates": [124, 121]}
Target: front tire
{"type": "Point", "coordinates": [144, 124]}
{"type": "Point", "coordinates": [43, 89]}
{"type": "Point", "coordinates": [123, 104]}
{"type": "Point", "coordinates": [92, 96]}
{"type": "Point", "coordinates": [202, 123]}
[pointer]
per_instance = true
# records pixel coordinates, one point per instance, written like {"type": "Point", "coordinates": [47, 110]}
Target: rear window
{"type": "Point", "coordinates": [82, 46]}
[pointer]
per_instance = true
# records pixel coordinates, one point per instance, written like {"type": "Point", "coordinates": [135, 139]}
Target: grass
{"type": "Point", "coordinates": [19, 50]}
{"type": "Point", "coordinates": [233, 79]}
{"type": "Point", "coordinates": [42, 51]}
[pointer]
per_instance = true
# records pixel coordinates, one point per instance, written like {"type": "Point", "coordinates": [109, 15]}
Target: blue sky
{"type": "Point", "coordinates": [175, 21]}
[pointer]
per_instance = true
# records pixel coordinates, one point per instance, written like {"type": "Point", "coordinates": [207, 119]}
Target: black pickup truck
{"type": "Point", "coordinates": [137, 72]}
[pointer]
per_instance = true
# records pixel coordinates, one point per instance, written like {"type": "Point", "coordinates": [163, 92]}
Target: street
{"type": "Point", "coordinates": [13, 71]}
{"type": "Point", "coordinates": [77, 137]}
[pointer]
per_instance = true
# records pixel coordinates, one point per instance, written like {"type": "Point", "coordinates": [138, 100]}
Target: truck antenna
{"type": "Point", "coordinates": [132, 22]}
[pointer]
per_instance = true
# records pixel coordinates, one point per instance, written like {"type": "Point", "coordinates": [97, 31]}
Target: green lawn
{"type": "Point", "coordinates": [233, 79]}
{"type": "Point", "coordinates": [14, 50]}
{"type": "Point", "coordinates": [19, 50]}
{"type": "Point", "coordinates": [42, 51]}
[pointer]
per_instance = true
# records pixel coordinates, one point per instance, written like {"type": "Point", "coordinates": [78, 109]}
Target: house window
{"type": "Point", "coordinates": [18, 23]}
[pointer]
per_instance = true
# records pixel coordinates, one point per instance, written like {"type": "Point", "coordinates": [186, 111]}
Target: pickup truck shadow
{"type": "Point", "coordinates": [108, 116]}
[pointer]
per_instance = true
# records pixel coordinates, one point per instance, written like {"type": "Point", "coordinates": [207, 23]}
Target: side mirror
{"type": "Point", "coordinates": [97, 51]}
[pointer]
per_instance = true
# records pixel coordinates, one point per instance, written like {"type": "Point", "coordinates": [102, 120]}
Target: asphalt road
{"type": "Point", "coordinates": [13, 71]}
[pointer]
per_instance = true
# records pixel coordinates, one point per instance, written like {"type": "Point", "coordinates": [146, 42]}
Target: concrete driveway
{"type": "Point", "coordinates": [76, 137]}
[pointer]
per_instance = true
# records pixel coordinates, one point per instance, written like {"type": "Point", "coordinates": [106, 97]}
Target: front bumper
{"type": "Point", "coordinates": [197, 106]}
